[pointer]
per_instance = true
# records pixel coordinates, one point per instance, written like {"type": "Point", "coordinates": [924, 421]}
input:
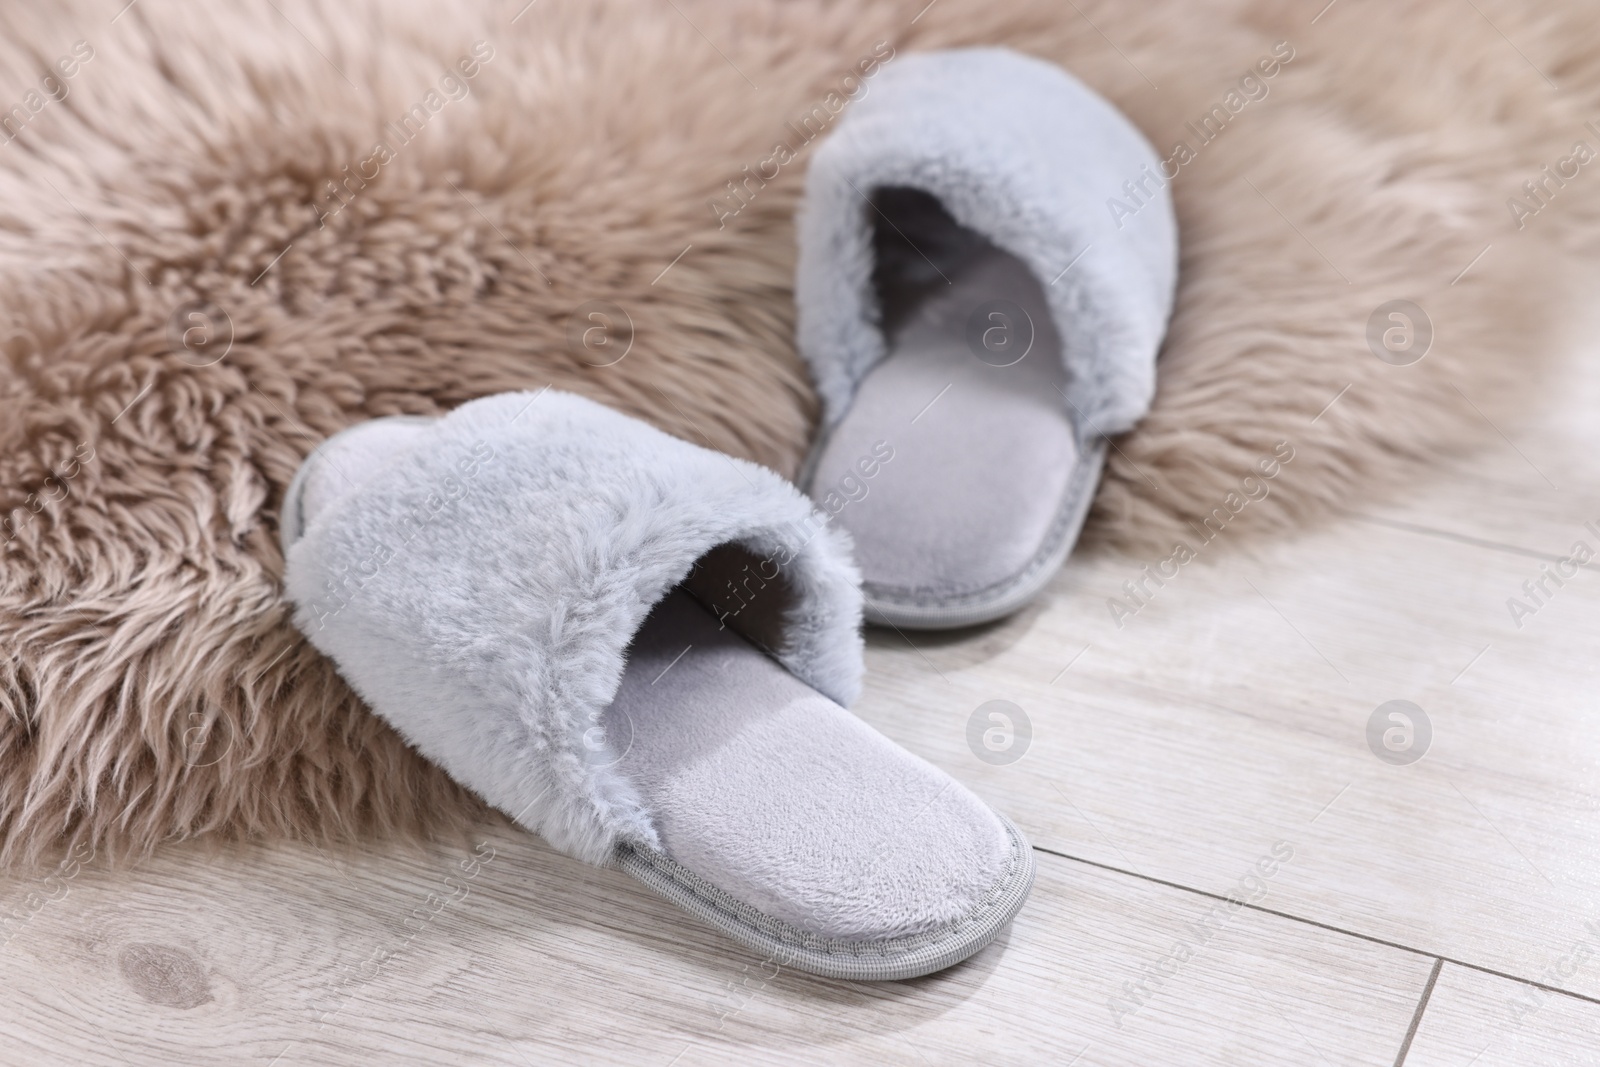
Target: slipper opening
{"type": "Point", "coordinates": [777, 798]}
{"type": "Point", "coordinates": [970, 404]}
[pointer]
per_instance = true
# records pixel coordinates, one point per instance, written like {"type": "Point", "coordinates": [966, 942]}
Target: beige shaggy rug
{"type": "Point", "coordinates": [227, 231]}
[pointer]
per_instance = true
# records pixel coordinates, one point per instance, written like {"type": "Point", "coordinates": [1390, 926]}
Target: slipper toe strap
{"type": "Point", "coordinates": [1022, 153]}
{"type": "Point", "coordinates": [479, 588]}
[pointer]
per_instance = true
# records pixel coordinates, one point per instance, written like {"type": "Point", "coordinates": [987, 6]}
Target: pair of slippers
{"type": "Point", "coordinates": [643, 650]}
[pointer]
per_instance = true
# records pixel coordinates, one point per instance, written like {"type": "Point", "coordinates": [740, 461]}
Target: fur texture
{"type": "Point", "coordinates": [1018, 151]}
{"type": "Point", "coordinates": [152, 685]}
{"type": "Point", "coordinates": [480, 582]}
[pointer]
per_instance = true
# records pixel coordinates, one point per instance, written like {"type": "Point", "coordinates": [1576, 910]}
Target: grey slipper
{"type": "Point", "coordinates": [987, 259]}
{"type": "Point", "coordinates": [641, 650]}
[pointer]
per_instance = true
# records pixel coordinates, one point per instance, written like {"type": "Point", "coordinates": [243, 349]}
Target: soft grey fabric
{"type": "Point", "coordinates": [479, 583]}
{"type": "Point", "coordinates": [1022, 153]}
{"type": "Point", "coordinates": [971, 196]}
{"type": "Point", "coordinates": [361, 450]}
{"type": "Point", "coordinates": [786, 801]}
{"type": "Point", "coordinates": [544, 596]}
{"type": "Point", "coordinates": [972, 459]}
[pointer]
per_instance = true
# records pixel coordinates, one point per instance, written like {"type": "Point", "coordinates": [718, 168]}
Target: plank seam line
{"type": "Point", "coordinates": [1480, 968]}
{"type": "Point", "coordinates": [1416, 1018]}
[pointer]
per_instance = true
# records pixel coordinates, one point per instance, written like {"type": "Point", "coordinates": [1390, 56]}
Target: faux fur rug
{"type": "Point", "coordinates": [227, 231]}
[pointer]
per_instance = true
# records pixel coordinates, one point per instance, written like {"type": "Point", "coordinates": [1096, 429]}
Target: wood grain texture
{"type": "Point", "coordinates": [1486, 1021]}
{"type": "Point", "coordinates": [287, 956]}
{"type": "Point", "coordinates": [1233, 711]}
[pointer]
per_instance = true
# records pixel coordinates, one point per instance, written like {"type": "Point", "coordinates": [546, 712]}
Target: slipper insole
{"type": "Point", "coordinates": [783, 799]}
{"type": "Point", "coordinates": [969, 398]}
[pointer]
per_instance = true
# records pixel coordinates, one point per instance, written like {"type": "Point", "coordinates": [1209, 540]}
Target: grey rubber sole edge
{"type": "Point", "coordinates": [785, 945]}
{"type": "Point", "coordinates": [924, 610]}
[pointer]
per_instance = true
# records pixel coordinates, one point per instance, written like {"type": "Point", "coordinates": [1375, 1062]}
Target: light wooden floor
{"type": "Point", "coordinates": [1440, 913]}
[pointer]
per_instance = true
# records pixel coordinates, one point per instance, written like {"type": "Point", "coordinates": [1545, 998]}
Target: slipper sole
{"type": "Point", "coordinates": [786, 945]}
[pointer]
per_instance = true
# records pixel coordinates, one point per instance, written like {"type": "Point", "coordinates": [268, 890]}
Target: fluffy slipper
{"type": "Point", "coordinates": [987, 262]}
{"type": "Point", "coordinates": [641, 649]}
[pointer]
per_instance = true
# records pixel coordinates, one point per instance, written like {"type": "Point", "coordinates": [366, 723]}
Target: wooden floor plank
{"type": "Point", "coordinates": [289, 956]}
{"type": "Point", "coordinates": [1233, 710]}
{"type": "Point", "coordinates": [1485, 1021]}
